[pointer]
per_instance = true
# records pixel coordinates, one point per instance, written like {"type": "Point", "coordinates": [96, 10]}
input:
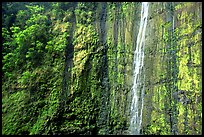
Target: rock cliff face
{"type": "Point", "coordinates": [173, 69]}
{"type": "Point", "coordinates": [86, 86]}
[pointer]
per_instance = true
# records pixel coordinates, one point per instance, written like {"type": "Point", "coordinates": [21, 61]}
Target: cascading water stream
{"type": "Point", "coordinates": [138, 85]}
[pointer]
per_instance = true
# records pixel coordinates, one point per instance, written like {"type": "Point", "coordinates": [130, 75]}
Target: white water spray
{"type": "Point", "coordinates": [138, 85]}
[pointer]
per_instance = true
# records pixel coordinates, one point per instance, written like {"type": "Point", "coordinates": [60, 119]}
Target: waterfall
{"type": "Point", "coordinates": [137, 92]}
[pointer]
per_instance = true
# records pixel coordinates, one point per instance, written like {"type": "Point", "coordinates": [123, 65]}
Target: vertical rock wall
{"type": "Point", "coordinates": [83, 82]}
{"type": "Point", "coordinates": [173, 69]}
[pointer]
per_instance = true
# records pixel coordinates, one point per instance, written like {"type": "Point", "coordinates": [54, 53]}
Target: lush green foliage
{"type": "Point", "coordinates": [67, 68]}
